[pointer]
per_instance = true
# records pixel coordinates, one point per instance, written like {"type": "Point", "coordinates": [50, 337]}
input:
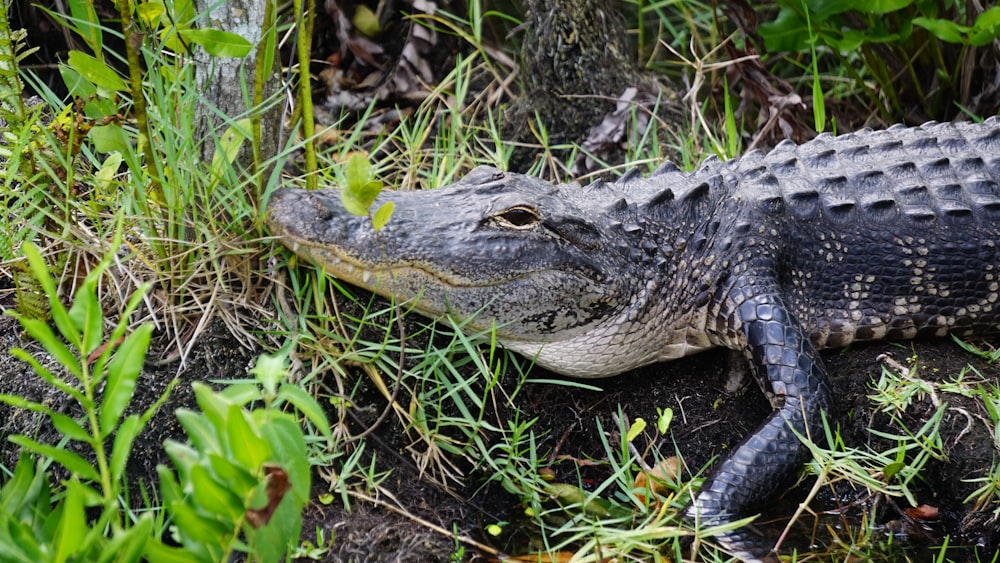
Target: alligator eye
{"type": "Point", "coordinates": [519, 217]}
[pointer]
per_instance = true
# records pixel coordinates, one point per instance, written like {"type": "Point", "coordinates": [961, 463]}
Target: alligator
{"type": "Point", "coordinates": [863, 236]}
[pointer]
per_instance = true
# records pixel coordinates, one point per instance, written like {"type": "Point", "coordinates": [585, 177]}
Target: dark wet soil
{"type": "Point", "coordinates": [708, 421]}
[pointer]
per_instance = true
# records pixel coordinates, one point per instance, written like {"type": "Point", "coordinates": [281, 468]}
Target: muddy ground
{"type": "Point", "coordinates": [707, 422]}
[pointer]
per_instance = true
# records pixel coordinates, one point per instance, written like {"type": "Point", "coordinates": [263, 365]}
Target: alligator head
{"type": "Point", "coordinates": [494, 250]}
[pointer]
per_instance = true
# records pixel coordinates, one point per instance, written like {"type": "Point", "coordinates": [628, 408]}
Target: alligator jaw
{"type": "Point", "coordinates": [390, 280]}
{"type": "Point", "coordinates": [334, 263]}
{"type": "Point", "coordinates": [339, 263]}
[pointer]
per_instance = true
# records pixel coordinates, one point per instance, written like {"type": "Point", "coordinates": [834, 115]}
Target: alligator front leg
{"type": "Point", "coordinates": [775, 343]}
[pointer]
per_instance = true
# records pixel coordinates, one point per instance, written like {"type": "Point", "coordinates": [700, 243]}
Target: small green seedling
{"type": "Point", "coordinates": [360, 191]}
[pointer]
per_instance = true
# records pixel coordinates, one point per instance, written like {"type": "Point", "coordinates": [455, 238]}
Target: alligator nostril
{"type": "Point", "coordinates": [323, 211]}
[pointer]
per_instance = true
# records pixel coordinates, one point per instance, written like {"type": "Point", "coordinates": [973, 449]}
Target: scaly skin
{"type": "Point", "coordinates": [888, 234]}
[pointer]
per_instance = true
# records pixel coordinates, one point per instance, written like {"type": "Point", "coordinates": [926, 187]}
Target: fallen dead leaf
{"type": "Point", "coordinates": [923, 512]}
{"type": "Point", "coordinates": [277, 486]}
{"type": "Point", "coordinates": [661, 479]}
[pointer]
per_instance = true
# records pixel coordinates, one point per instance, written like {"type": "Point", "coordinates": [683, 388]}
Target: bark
{"type": "Point", "coordinates": [220, 78]}
{"type": "Point", "coordinates": [576, 62]}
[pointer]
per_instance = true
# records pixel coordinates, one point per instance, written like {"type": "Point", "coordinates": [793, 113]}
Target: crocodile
{"type": "Point", "coordinates": [863, 236]}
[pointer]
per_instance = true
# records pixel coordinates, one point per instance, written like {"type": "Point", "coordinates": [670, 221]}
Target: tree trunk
{"type": "Point", "coordinates": [220, 79]}
{"type": "Point", "coordinates": [576, 62]}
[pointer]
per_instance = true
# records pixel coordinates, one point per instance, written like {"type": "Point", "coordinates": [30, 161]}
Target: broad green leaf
{"type": "Point", "coordinates": [76, 84]}
{"type": "Point", "coordinates": [109, 139]}
{"type": "Point", "coordinates": [663, 419]}
{"type": "Point", "coordinates": [40, 269]}
{"type": "Point", "coordinates": [170, 490]}
{"type": "Point", "coordinates": [240, 479]}
{"type": "Point", "coordinates": [879, 7]}
{"type": "Point", "coordinates": [87, 316]}
{"type": "Point", "coordinates": [128, 546]}
{"type": "Point", "coordinates": [184, 11]}
{"type": "Point", "coordinates": [97, 72]}
{"type": "Point", "coordinates": [74, 462]}
{"type": "Point", "coordinates": [150, 12]}
{"type": "Point", "coordinates": [72, 523]}
{"type": "Point", "coordinates": [357, 170]}
{"type": "Point", "coordinates": [360, 190]}
{"type": "Point", "coordinates": [91, 497]}
{"type": "Point", "coordinates": [203, 436]}
{"type": "Point", "coordinates": [270, 370]}
{"type": "Point", "coordinates": [200, 533]}
{"type": "Point", "coordinates": [24, 544]}
{"type": "Point", "coordinates": [22, 488]}
{"type": "Point", "coordinates": [40, 331]}
{"type": "Point", "coordinates": [989, 18]}
{"type": "Point", "coordinates": [229, 145]}
{"type": "Point", "coordinates": [214, 406]}
{"type": "Point", "coordinates": [69, 427]}
{"type": "Point", "coordinates": [123, 372]}
{"type": "Point", "coordinates": [213, 497]}
{"type": "Point", "coordinates": [987, 27]}
{"type": "Point", "coordinates": [88, 25]}
{"type": "Point", "coordinates": [850, 41]}
{"type": "Point", "coordinates": [382, 215]}
{"type": "Point", "coordinates": [369, 191]}
{"type": "Point", "coordinates": [218, 43]}
{"type": "Point", "coordinates": [788, 32]}
{"type": "Point", "coordinates": [182, 456]}
{"type": "Point", "coordinates": [246, 445]}
{"type": "Point", "coordinates": [636, 429]}
{"type": "Point", "coordinates": [885, 34]}
{"type": "Point", "coordinates": [241, 393]}
{"type": "Point", "coordinates": [121, 448]}
{"type": "Point", "coordinates": [308, 406]}
{"type": "Point", "coordinates": [156, 550]}
{"type": "Point", "coordinates": [945, 30]}
{"type": "Point", "coordinates": [289, 446]}
{"type": "Point", "coordinates": [821, 10]}
{"type": "Point", "coordinates": [358, 201]}
{"type": "Point", "coordinates": [99, 108]}
{"type": "Point", "coordinates": [108, 170]}
{"type": "Point", "coordinates": [892, 469]}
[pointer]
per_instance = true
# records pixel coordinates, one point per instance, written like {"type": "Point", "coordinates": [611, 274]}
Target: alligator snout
{"type": "Point", "coordinates": [311, 215]}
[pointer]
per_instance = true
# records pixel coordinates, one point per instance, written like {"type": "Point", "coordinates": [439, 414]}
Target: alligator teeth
{"type": "Point", "coordinates": [366, 275]}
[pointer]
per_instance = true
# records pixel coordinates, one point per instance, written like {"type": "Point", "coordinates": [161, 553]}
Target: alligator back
{"type": "Point", "coordinates": [887, 234]}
